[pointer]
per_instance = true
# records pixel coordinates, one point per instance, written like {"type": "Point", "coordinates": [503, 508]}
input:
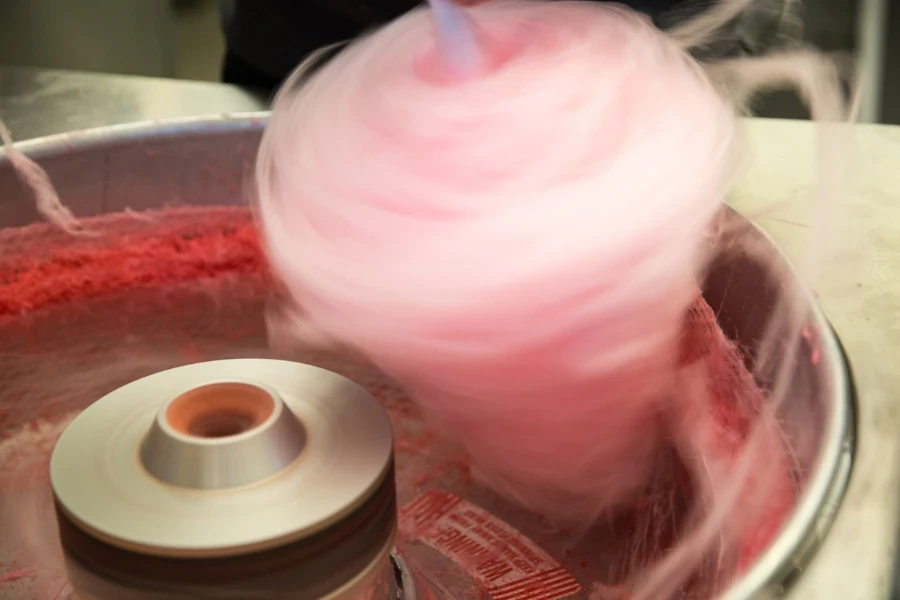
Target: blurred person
{"type": "Point", "coordinates": [267, 39]}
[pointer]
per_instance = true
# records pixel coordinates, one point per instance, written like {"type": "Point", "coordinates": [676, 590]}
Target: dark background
{"type": "Point", "coordinates": [181, 39]}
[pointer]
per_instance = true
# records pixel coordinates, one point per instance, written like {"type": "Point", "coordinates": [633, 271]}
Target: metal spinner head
{"type": "Point", "coordinates": [252, 478]}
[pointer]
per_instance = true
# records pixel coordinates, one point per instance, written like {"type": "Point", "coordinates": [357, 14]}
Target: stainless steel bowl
{"type": "Point", "coordinates": [204, 162]}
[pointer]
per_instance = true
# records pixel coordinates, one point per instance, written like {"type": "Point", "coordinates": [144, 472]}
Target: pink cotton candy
{"type": "Point", "coordinates": [518, 244]}
{"type": "Point", "coordinates": [517, 247]}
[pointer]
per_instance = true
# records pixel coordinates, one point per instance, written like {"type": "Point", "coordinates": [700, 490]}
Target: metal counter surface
{"type": "Point", "coordinates": [39, 102]}
{"type": "Point", "coordinates": [859, 290]}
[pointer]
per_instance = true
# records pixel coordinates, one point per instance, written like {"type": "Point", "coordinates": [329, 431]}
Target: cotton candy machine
{"type": "Point", "coordinates": [173, 478]}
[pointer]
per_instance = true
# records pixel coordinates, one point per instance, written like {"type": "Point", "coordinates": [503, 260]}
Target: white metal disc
{"type": "Point", "coordinates": [98, 478]}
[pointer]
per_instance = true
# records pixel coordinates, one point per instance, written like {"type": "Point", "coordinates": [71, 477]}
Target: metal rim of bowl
{"type": "Point", "coordinates": [812, 517]}
{"type": "Point", "coordinates": [800, 537]}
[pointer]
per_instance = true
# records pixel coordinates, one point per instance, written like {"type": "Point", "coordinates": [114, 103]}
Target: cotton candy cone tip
{"type": "Point", "coordinates": [518, 249]}
{"type": "Point", "coordinates": [459, 49]}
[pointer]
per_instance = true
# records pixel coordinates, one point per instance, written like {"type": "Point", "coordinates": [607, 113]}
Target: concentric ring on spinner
{"type": "Point", "coordinates": [102, 483]}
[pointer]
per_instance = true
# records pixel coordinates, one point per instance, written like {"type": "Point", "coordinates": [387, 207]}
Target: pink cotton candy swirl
{"type": "Point", "coordinates": [518, 246]}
